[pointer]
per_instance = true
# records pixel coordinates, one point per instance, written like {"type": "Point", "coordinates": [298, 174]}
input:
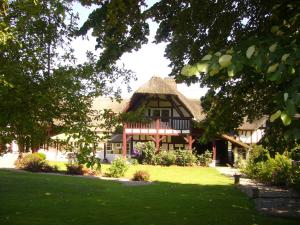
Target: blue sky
{"type": "Point", "coordinates": [146, 62]}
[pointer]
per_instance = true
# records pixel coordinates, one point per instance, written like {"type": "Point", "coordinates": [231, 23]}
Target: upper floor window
{"type": "Point", "coordinates": [163, 113]}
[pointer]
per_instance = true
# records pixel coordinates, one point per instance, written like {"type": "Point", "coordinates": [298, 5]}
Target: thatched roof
{"type": "Point", "coordinates": [254, 125]}
{"type": "Point", "coordinates": [167, 86]}
{"type": "Point", "coordinates": [159, 86]}
{"type": "Point", "coordinates": [101, 103]}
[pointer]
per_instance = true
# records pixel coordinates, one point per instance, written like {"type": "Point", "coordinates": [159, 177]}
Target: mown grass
{"type": "Point", "coordinates": [179, 196]}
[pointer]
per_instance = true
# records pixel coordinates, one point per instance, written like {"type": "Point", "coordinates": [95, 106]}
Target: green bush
{"type": "Point", "coordinates": [35, 162]}
{"type": "Point", "coordinates": [74, 169]}
{"type": "Point", "coordinates": [295, 153]}
{"type": "Point", "coordinates": [185, 158]}
{"type": "Point", "coordinates": [282, 170]}
{"type": "Point", "coordinates": [294, 179]}
{"type": "Point", "coordinates": [166, 158]}
{"type": "Point", "coordinates": [41, 155]}
{"type": "Point", "coordinates": [205, 159]}
{"type": "Point", "coordinates": [257, 155]}
{"type": "Point", "coordinates": [118, 168]}
{"type": "Point", "coordinates": [141, 175]}
{"type": "Point", "coordinates": [147, 153]}
{"type": "Point", "coordinates": [133, 161]}
{"type": "Point", "coordinates": [261, 166]}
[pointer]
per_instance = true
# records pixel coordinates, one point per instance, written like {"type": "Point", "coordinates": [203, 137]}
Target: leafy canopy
{"type": "Point", "coordinates": [246, 53]}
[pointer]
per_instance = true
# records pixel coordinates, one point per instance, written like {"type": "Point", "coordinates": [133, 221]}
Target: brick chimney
{"type": "Point", "coordinates": [171, 82]}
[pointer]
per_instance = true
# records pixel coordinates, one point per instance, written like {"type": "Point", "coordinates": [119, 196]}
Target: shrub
{"type": "Point", "coordinates": [74, 169]}
{"type": "Point", "coordinates": [166, 158]}
{"type": "Point", "coordinates": [295, 153]}
{"type": "Point", "coordinates": [257, 155]}
{"type": "Point", "coordinates": [30, 162]}
{"type": "Point", "coordinates": [294, 179]}
{"type": "Point", "coordinates": [185, 158]}
{"type": "Point", "coordinates": [205, 159]}
{"type": "Point", "coordinates": [118, 168]}
{"type": "Point", "coordinates": [282, 170]}
{"type": "Point", "coordinates": [134, 161]}
{"type": "Point", "coordinates": [141, 175]}
{"type": "Point", "coordinates": [49, 169]}
{"type": "Point", "coordinates": [275, 171]}
{"type": "Point", "coordinates": [41, 155]}
{"type": "Point", "coordinates": [147, 153]}
{"type": "Point", "coordinates": [35, 162]}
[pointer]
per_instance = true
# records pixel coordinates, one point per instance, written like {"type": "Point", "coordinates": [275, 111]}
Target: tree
{"type": "Point", "coordinates": [41, 89]}
{"type": "Point", "coordinates": [255, 77]}
{"type": "Point", "coordinates": [249, 51]}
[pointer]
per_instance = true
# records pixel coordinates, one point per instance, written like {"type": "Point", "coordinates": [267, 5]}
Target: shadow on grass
{"type": "Point", "coordinates": [42, 199]}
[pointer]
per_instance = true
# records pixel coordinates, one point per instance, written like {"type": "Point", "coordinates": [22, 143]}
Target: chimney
{"type": "Point", "coordinates": [171, 82]}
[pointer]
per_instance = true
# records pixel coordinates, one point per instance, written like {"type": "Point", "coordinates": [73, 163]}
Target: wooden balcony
{"type": "Point", "coordinates": [162, 126]}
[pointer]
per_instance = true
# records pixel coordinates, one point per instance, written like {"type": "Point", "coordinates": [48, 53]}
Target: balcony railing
{"type": "Point", "coordinates": [169, 123]}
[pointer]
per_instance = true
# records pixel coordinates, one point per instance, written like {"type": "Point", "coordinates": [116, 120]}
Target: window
{"type": "Point", "coordinates": [156, 113]}
{"type": "Point", "coordinates": [163, 113]}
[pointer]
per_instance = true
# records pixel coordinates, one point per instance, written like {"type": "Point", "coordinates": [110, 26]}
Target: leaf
{"type": "Point", "coordinates": [272, 68]}
{"type": "Point", "coordinates": [206, 57]}
{"type": "Point", "coordinates": [285, 56]}
{"type": "Point", "coordinates": [202, 67]}
{"type": "Point", "coordinates": [230, 72]}
{"type": "Point", "coordinates": [274, 29]}
{"type": "Point", "coordinates": [250, 51]}
{"type": "Point", "coordinates": [274, 76]}
{"type": "Point", "coordinates": [189, 70]}
{"type": "Point", "coordinates": [218, 53]}
{"type": "Point", "coordinates": [225, 60]}
{"type": "Point", "coordinates": [285, 96]}
{"type": "Point", "coordinates": [214, 69]}
{"type": "Point", "coordinates": [290, 108]}
{"type": "Point", "coordinates": [285, 119]}
{"type": "Point", "coordinates": [273, 47]}
{"type": "Point", "coordinates": [275, 116]}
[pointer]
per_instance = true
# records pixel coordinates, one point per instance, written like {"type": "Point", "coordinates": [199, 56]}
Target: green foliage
{"type": "Point", "coordinates": [166, 158]}
{"type": "Point", "coordinates": [75, 169]}
{"type": "Point", "coordinates": [205, 159]}
{"type": "Point", "coordinates": [148, 155]}
{"type": "Point", "coordinates": [294, 180]}
{"type": "Point", "coordinates": [263, 65]}
{"type": "Point", "coordinates": [185, 158]}
{"type": "Point", "coordinates": [134, 161]}
{"type": "Point", "coordinates": [35, 162]}
{"type": "Point", "coordinates": [41, 155]}
{"type": "Point", "coordinates": [141, 175]}
{"type": "Point", "coordinates": [261, 166]}
{"type": "Point", "coordinates": [118, 168]}
{"type": "Point", "coordinates": [257, 156]}
{"type": "Point", "coordinates": [147, 152]}
{"type": "Point", "coordinates": [295, 153]}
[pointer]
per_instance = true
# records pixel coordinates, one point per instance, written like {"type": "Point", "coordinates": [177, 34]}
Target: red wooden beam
{"type": "Point", "coordinates": [189, 139]}
{"type": "Point", "coordinates": [124, 146]}
{"type": "Point", "coordinates": [214, 148]}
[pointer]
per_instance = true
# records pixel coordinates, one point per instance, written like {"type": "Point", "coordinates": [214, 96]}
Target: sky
{"type": "Point", "coordinates": [146, 62]}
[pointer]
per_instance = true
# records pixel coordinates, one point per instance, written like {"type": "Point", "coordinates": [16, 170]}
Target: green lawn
{"type": "Point", "coordinates": [179, 196]}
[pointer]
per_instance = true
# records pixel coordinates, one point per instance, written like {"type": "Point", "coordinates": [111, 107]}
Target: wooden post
{"type": "Point", "coordinates": [157, 139]}
{"type": "Point", "coordinates": [214, 148]}
{"type": "Point", "coordinates": [189, 139]}
{"type": "Point", "coordinates": [124, 146]}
